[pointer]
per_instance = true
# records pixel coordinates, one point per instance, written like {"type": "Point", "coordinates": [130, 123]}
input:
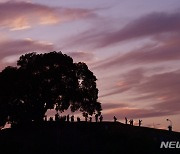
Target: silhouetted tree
{"type": "Point", "coordinates": [46, 81]}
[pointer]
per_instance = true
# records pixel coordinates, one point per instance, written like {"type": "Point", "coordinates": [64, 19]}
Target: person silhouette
{"type": "Point", "coordinates": [126, 120]}
{"type": "Point", "coordinates": [140, 122]}
{"type": "Point", "coordinates": [56, 117]}
{"type": "Point", "coordinates": [72, 118]}
{"type": "Point", "coordinates": [170, 128]}
{"type": "Point", "coordinates": [132, 122]}
{"type": "Point", "coordinates": [85, 115]}
{"type": "Point", "coordinates": [51, 119]}
{"type": "Point", "coordinates": [96, 117]}
{"type": "Point", "coordinates": [90, 119]}
{"type": "Point", "coordinates": [115, 119]}
{"type": "Point", "coordinates": [78, 119]}
{"type": "Point", "coordinates": [64, 118]}
{"type": "Point", "coordinates": [101, 118]}
{"type": "Point", "coordinates": [86, 118]}
{"type": "Point", "coordinates": [67, 118]}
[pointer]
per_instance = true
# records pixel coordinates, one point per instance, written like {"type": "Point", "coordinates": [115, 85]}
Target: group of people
{"type": "Point", "coordinates": [68, 118]}
{"type": "Point", "coordinates": [98, 118]}
{"type": "Point", "coordinates": [131, 121]}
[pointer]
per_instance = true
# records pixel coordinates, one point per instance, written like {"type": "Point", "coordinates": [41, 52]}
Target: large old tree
{"type": "Point", "coordinates": [46, 81]}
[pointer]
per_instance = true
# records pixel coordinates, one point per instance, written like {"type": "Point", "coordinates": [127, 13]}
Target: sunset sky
{"type": "Point", "coordinates": [132, 46]}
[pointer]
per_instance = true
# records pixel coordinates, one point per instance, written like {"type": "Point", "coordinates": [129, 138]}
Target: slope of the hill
{"type": "Point", "coordinates": [86, 138]}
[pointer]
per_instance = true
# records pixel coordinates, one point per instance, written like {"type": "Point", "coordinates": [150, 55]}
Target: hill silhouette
{"type": "Point", "coordinates": [85, 137]}
{"type": "Point", "coordinates": [53, 81]}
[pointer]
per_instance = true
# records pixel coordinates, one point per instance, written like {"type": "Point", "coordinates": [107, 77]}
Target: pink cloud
{"type": "Point", "coordinates": [134, 113]}
{"type": "Point", "coordinates": [162, 89]}
{"type": "Point", "coordinates": [17, 15]}
{"type": "Point", "coordinates": [126, 82]}
{"type": "Point", "coordinates": [107, 106]}
{"type": "Point", "coordinates": [82, 56]}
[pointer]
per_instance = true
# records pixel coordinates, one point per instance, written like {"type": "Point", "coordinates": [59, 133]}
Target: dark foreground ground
{"type": "Point", "coordinates": [86, 138]}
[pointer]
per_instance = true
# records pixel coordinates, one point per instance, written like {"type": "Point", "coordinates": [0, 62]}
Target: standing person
{"type": "Point", "coordinates": [132, 122]}
{"type": "Point", "coordinates": [96, 117]}
{"type": "Point", "coordinates": [115, 119]}
{"type": "Point", "coordinates": [57, 117]}
{"type": "Point", "coordinates": [140, 122]}
{"type": "Point", "coordinates": [170, 128]}
{"type": "Point", "coordinates": [101, 118]}
{"type": "Point", "coordinates": [67, 118]}
{"type": "Point", "coordinates": [78, 119]}
{"type": "Point", "coordinates": [64, 118]}
{"type": "Point", "coordinates": [90, 119]}
{"type": "Point", "coordinates": [86, 118]}
{"type": "Point", "coordinates": [72, 118]}
{"type": "Point", "coordinates": [85, 115]}
{"type": "Point", "coordinates": [126, 120]}
{"type": "Point", "coordinates": [51, 119]}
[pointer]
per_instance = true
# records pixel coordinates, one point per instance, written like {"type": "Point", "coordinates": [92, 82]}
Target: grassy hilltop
{"type": "Point", "coordinates": [86, 138]}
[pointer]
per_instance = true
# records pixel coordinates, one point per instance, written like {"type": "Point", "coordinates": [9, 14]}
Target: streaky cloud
{"type": "Point", "coordinates": [135, 113]}
{"type": "Point", "coordinates": [149, 25]}
{"type": "Point", "coordinates": [161, 89]}
{"type": "Point", "coordinates": [12, 49]}
{"type": "Point", "coordinates": [18, 15]}
{"type": "Point", "coordinates": [163, 51]}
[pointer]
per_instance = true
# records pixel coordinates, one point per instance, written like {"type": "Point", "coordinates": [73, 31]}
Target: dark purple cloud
{"type": "Point", "coordinates": [165, 50]}
{"type": "Point", "coordinates": [151, 24]}
{"type": "Point", "coordinates": [14, 47]}
{"type": "Point", "coordinates": [148, 25]}
{"type": "Point", "coordinates": [10, 48]}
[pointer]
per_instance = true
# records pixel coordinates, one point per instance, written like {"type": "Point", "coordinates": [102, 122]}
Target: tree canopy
{"type": "Point", "coordinates": [46, 81]}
